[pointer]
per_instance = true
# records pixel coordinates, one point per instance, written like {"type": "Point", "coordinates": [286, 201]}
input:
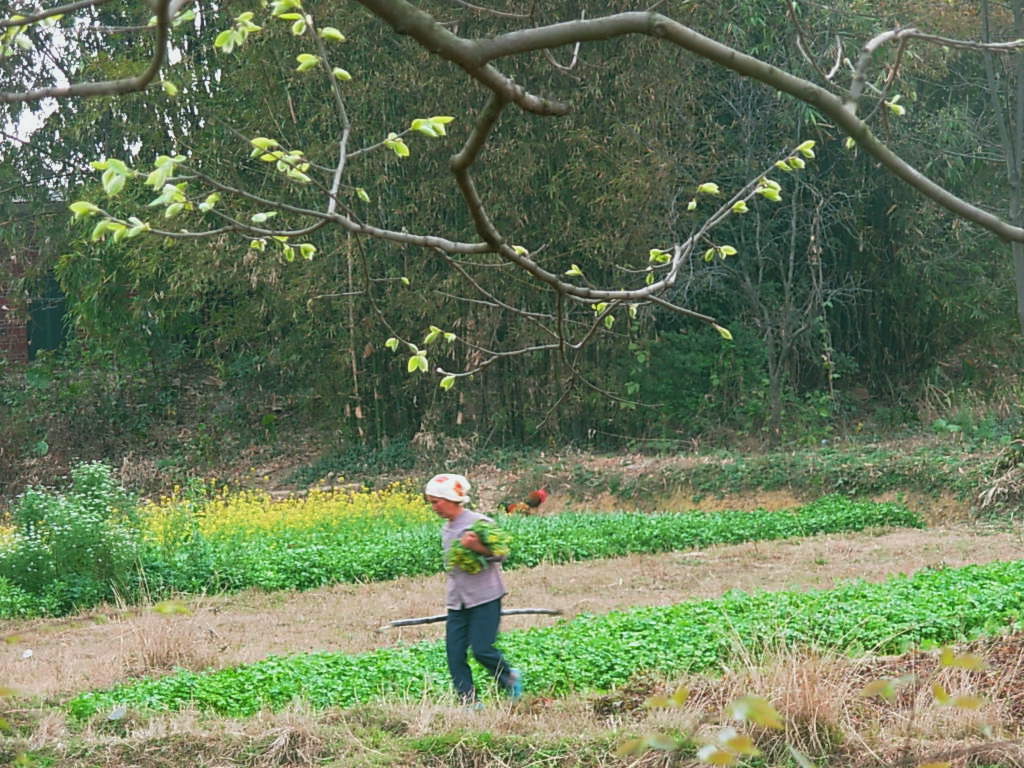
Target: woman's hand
{"type": "Point", "coordinates": [471, 541]}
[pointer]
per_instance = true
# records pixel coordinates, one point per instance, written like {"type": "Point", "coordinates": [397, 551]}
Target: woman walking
{"type": "Point", "coordinates": [473, 599]}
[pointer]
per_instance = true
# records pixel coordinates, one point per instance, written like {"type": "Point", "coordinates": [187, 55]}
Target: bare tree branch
{"type": "Point", "coordinates": [107, 87]}
{"type": "Point", "coordinates": [474, 57]}
{"type": "Point", "coordinates": [60, 10]}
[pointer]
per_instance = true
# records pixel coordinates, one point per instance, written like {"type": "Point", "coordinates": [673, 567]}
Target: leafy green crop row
{"type": "Point", "coordinates": [597, 652]}
{"type": "Point", "coordinates": [354, 539]}
{"type": "Point", "coordinates": [302, 559]}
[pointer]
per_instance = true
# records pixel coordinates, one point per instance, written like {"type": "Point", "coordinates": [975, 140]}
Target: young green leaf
{"type": "Point", "coordinates": [971, 661]}
{"type": "Point", "coordinates": [896, 108]}
{"type": "Point", "coordinates": [332, 33]}
{"type": "Point", "coordinates": [574, 271]}
{"type": "Point", "coordinates": [397, 145]}
{"type": "Point", "coordinates": [225, 41]}
{"type": "Point", "coordinates": [280, 7]}
{"type": "Point", "coordinates": [658, 256]}
{"type": "Point", "coordinates": [262, 144]}
{"type": "Point", "coordinates": [631, 748]}
{"type": "Point", "coordinates": [113, 181]}
{"type": "Point", "coordinates": [424, 126]}
{"type": "Point", "coordinates": [102, 227]}
{"type": "Point", "coordinates": [447, 382]}
{"type": "Point", "coordinates": [211, 200]}
{"type": "Point", "coordinates": [806, 149]}
{"type": "Point", "coordinates": [723, 332]}
{"type": "Point", "coordinates": [299, 26]}
{"type": "Point", "coordinates": [391, 343]}
{"type": "Point", "coordinates": [261, 218]}
{"type": "Point", "coordinates": [968, 702]}
{"type": "Point", "coordinates": [737, 743]}
{"type": "Point", "coordinates": [306, 61]}
{"type": "Point", "coordinates": [849, 142]}
{"type": "Point", "coordinates": [740, 206]}
{"type": "Point", "coordinates": [341, 74]}
{"type": "Point", "coordinates": [609, 321]}
{"type": "Point", "coordinates": [884, 688]}
{"type": "Point", "coordinates": [169, 88]}
{"type": "Point", "coordinates": [137, 228]}
{"type": "Point", "coordinates": [715, 755]}
{"type": "Point", "coordinates": [692, 205]}
{"type": "Point", "coordinates": [84, 208]}
{"type": "Point", "coordinates": [307, 251]}
{"type": "Point", "coordinates": [361, 194]}
{"type": "Point", "coordinates": [940, 694]}
{"type": "Point", "coordinates": [708, 188]}
{"type": "Point", "coordinates": [726, 250]}
{"type": "Point", "coordinates": [753, 709]}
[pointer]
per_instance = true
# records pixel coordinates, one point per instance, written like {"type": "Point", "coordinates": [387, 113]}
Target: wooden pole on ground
{"type": "Point", "coordinates": [443, 616]}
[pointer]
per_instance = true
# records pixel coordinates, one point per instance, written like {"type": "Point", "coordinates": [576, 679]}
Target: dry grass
{"type": "Point", "coordinates": [817, 695]}
{"type": "Point", "coordinates": [154, 643]}
{"type": "Point", "coordinates": [825, 714]}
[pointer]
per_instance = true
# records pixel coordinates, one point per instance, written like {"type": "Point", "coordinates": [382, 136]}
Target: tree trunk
{"type": "Point", "coordinates": [1010, 117]}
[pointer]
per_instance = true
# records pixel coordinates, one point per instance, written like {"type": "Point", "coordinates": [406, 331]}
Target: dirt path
{"type": "Point", "coordinates": [71, 655]}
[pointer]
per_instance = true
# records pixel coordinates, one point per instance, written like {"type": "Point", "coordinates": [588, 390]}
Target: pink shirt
{"type": "Point", "coordinates": [466, 590]}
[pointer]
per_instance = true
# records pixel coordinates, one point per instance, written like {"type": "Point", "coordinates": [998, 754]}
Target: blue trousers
{"type": "Point", "coordinates": [474, 629]}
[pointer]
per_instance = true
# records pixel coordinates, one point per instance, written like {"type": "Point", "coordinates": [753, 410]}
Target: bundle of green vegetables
{"type": "Point", "coordinates": [492, 537]}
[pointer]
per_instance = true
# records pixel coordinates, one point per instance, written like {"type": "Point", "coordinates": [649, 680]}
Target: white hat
{"type": "Point", "coordinates": [451, 487]}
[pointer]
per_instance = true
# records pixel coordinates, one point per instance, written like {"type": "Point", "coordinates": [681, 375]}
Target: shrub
{"type": "Point", "coordinates": [16, 603]}
{"type": "Point", "coordinates": [73, 548]}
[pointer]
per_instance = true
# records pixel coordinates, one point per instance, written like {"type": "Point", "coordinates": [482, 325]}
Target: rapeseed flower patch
{"type": "Point", "coordinates": [227, 513]}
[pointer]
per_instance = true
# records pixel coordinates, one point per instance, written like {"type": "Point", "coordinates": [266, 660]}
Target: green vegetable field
{"type": "Point", "coordinates": [596, 652]}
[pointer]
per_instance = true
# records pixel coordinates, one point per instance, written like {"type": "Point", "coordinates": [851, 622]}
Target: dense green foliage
{"type": "Point", "coordinates": [842, 289]}
{"type": "Point", "coordinates": [598, 652]}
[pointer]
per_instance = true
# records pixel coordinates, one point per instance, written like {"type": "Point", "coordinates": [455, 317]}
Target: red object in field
{"type": "Point", "coordinates": [533, 500]}
{"type": "Point", "coordinates": [536, 498]}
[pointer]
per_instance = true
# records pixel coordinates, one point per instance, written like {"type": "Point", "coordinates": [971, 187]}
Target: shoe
{"type": "Point", "coordinates": [515, 684]}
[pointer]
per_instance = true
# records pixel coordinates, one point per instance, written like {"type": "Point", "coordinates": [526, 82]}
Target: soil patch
{"type": "Point", "coordinates": [99, 650]}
